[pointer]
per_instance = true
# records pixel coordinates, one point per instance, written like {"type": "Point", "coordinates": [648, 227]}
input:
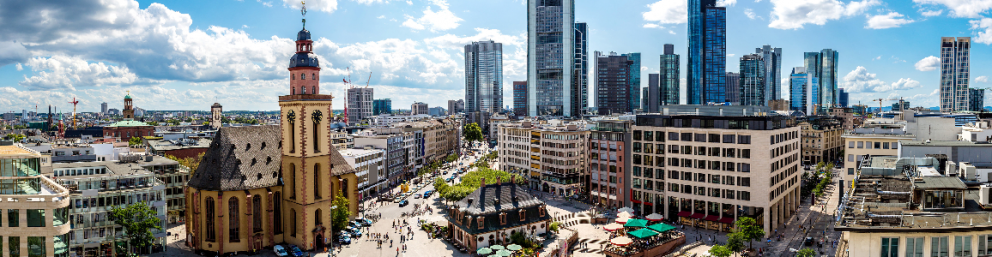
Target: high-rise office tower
{"type": "Point", "coordinates": [804, 91]}
{"type": "Point", "coordinates": [580, 74]}
{"type": "Point", "coordinates": [382, 106]}
{"type": "Point", "coordinates": [823, 66]}
{"type": "Point", "coordinates": [734, 87]}
{"type": "Point", "coordinates": [752, 80]}
{"type": "Point", "coordinates": [773, 69]}
{"type": "Point", "coordinates": [707, 77]}
{"type": "Point", "coordinates": [359, 105]}
{"type": "Point", "coordinates": [456, 106]}
{"type": "Point", "coordinates": [976, 99]}
{"type": "Point", "coordinates": [551, 80]}
{"type": "Point", "coordinates": [483, 80]}
{"type": "Point", "coordinates": [520, 98]}
{"type": "Point", "coordinates": [652, 93]}
{"type": "Point", "coordinates": [418, 108]}
{"type": "Point", "coordinates": [669, 77]}
{"type": "Point", "coordinates": [634, 79]}
{"type": "Point", "coordinates": [842, 97]}
{"type": "Point", "coordinates": [954, 73]}
{"type": "Point", "coordinates": [612, 83]}
{"type": "Point", "coordinates": [644, 97]}
{"type": "Point", "coordinates": [103, 108]}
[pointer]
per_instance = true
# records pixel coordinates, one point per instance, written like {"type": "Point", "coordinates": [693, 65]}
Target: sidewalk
{"type": "Point", "coordinates": [818, 217]}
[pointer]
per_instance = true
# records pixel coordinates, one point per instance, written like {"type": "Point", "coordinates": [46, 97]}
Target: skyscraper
{"type": "Point", "coordinates": [634, 79]}
{"type": "Point", "coordinates": [954, 73]}
{"type": "Point", "coordinates": [645, 94]}
{"type": "Point", "coordinates": [382, 106]}
{"type": "Point", "coordinates": [752, 80]}
{"type": "Point", "coordinates": [520, 98]}
{"type": "Point", "coordinates": [359, 105]}
{"type": "Point", "coordinates": [456, 106]}
{"type": "Point", "coordinates": [669, 88]}
{"type": "Point", "coordinates": [418, 108]}
{"type": "Point", "coordinates": [652, 93]}
{"type": "Point", "coordinates": [483, 80]}
{"type": "Point", "coordinates": [804, 91]}
{"type": "Point", "coordinates": [553, 87]}
{"type": "Point", "coordinates": [842, 97]}
{"type": "Point", "coordinates": [612, 83]}
{"type": "Point", "coordinates": [103, 108]}
{"type": "Point", "coordinates": [773, 68]}
{"type": "Point", "coordinates": [580, 74]}
{"type": "Point", "coordinates": [823, 66]}
{"type": "Point", "coordinates": [707, 52]}
{"type": "Point", "coordinates": [976, 99]}
{"type": "Point", "coordinates": [734, 87]}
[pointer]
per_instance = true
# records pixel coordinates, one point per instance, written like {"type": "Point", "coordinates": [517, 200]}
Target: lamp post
{"type": "Point", "coordinates": [333, 207]}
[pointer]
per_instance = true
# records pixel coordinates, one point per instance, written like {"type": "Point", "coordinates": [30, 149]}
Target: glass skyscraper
{"type": "Point", "coordinates": [382, 106]}
{"type": "Point", "coordinates": [634, 79]}
{"type": "Point", "coordinates": [707, 52]}
{"type": "Point", "coordinates": [483, 78]}
{"type": "Point", "coordinates": [553, 87]}
{"type": "Point", "coordinates": [752, 80]}
{"type": "Point", "coordinates": [733, 87]}
{"type": "Point", "coordinates": [842, 97]}
{"type": "Point", "coordinates": [520, 98]}
{"type": "Point", "coordinates": [954, 73]}
{"type": "Point", "coordinates": [773, 69]}
{"type": "Point", "coordinates": [976, 99]}
{"type": "Point", "coordinates": [804, 91]}
{"type": "Point", "coordinates": [669, 77]}
{"type": "Point", "coordinates": [580, 75]}
{"type": "Point", "coordinates": [823, 66]}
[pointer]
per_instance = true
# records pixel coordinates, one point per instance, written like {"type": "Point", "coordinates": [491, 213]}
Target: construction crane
{"type": "Point", "coordinates": [74, 103]}
{"type": "Point", "coordinates": [880, 101]}
{"type": "Point", "coordinates": [367, 81]}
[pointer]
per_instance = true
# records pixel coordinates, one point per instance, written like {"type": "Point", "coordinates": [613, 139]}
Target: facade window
{"type": "Point", "coordinates": [36, 218]}
{"type": "Point", "coordinates": [938, 246]}
{"type": "Point", "coordinates": [291, 181]}
{"type": "Point", "coordinates": [890, 247]}
{"type": "Point", "coordinates": [850, 171]}
{"type": "Point", "coordinates": [861, 144]}
{"type": "Point", "coordinates": [318, 217]}
{"type": "Point", "coordinates": [209, 217]}
{"type": "Point", "coordinates": [480, 221]}
{"type": "Point", "coordinates": [256, 212]}
{"type": "Point", "coordinates": [36, 246]}
{"type": "Point", "coordinates": [984, 245]}
{"type": "Point", "coordinates": [316, 181]}
{"type": "Point", "coordinates": [523, 215]}
{"type": "Point", "coordinates": [234, 223]}
{"type": "Point", "coordinates": [14, 245]}
{"type": "Point", "coordinates": [914, 247]}
{"type": "Point", "coordinates": [292, 221]}
{"type": "Point", "coordinates": [277, 213]}
{"type": "Point", "coordinates": [962, 246]}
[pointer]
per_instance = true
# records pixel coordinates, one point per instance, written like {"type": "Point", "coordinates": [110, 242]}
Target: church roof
{"type": "Point", "coordinates": [216, 105]}
{"type": "Point", "coordinates": [240, 158]}
{"type": "Point", "coordinates": [128, 123]}
{"type": "Point", "coordinates": [303, 35]}
{"type": "Point", "coordinates": [304, 60]}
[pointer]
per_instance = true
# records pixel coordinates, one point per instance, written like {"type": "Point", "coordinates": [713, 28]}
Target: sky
{"type": "Point", "coordinates": [186, 55]}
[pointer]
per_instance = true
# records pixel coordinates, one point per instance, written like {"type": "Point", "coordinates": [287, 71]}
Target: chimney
{"type": "Point", "coordinates": [499, 181]}
{"type": "Point", "coordinates": [482, 182]}
{"type": "Point", "coordinates": [513, 178]}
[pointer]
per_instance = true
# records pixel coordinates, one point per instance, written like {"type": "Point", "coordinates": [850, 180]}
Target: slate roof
{"type": "Point", "coordinates": [510, 196]}
{"type": "Point", "coordinates": [240, 158]}
{"type": "Point", "coordinates": [128, 123]}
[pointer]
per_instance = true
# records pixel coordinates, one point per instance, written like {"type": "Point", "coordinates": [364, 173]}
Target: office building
{"type": "Point", "coordinates": [520, 98]}
{"type": "Point", "coordinates": [821, 139]}
{"type": "Point", "coordinates": [954, 73]}
{"type": "Point", "coordinates": [483, 80]}
{"type": "Point", "coordinates": [609, 164]}
{"type": "Point", "coordinates": [976, 99]}
{"type": "Point", "coordinates": [718, 168]}
{"type": "Point", "coordinates": [707, 76]}
{"type": "Point", "coordinates": [842, 97]}
{"type": "Point", "coordinates": [43, 203]}
{"type": "Point", "coordinates": [369, 165]}
{"type": "Point", "coordinates": [553, 155]}
{"type": "Point", "coordinates": [634, 73]}
{"type": "Point", "coordinates": [455, 107]}
{"type": "Point", "coordinates": [382, 106]}
{"type": "Point", "coordinates": [752, 80]}
{"type": "Point", "coordinates": [773, 68]}
{"type": "Point", "coordinates": [554, 84]}
{"type": "Point", "coordinates": [652, 93]}
{"type": "Point", "coordinates": [669, 77]}
{"type": "Point", "coordinates": [580, 74]}
{"type": "Point", "coordinates": [359, 105]}
{"type": "Point", "coordinates": [900, 105]}
{"type": "Point", "coordinates": [873, 138]}
{"type": "Point", "coordinates": [733, 87]}
{"type": "Point", "coordinates": [418, 108]}
{"type": "Point", "coordinates": [613, 84]}
{"type": "Point", "coordinates": [823, 66]}
{"type": "Point", "coordinates": [103, 108]}
{"type": "Point", "coordinates": [804, 91]}
{"type": "Point", "coordinates": [437, 111]}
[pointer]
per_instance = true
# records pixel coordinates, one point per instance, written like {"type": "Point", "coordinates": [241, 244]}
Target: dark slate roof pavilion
{"type": "Point", "coordinates": [490, 201]}
{"type": "Point", "coordinates": [240, 158]}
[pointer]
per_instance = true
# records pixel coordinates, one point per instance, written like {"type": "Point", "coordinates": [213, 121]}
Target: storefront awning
{"type": "Point", "coordinates": [712, 218]}
{"type": "Point", "coordinates": [685, 214]}
{"type": "Point", "coordinates": [698, 216]}
{"type": "Point", "coordinates": [727, 220]}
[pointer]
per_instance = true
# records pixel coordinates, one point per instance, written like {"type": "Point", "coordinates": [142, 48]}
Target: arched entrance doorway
{"type": "Point", "coordinates": [318, 242]}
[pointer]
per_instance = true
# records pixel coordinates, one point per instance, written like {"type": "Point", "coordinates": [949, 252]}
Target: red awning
{"type": "Point", "coordinates": [698, 216]}
{"type": "Point", "coordinates": [685, 214]}
{"type": "Point", "coordinates": [727, 220]}
{"type": "Point", "coordinates": [712, 218]}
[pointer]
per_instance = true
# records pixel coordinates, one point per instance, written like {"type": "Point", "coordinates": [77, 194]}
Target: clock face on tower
{"type": "Point", "coordinates": [317, 117]}
{"type": "Point", "coordinates": [291, 116]}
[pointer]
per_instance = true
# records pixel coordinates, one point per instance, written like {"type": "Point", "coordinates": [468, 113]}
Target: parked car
{"type": "Point", "coordinates": [428, 193]}
{"type": "Point", "coordinates": [404, 203]}
{"type": "Point", "coordinates": [344, 239]}
{"type": "Point", "coordinates": [808, 241]}
{"type": "Point", "coordinates": [280, 251]}
{"type": "Point", "coordinates": [364, 222]}
{"type": "Point", "coordinates": [417, 196]}
{"type": "Point", "coordinates": [296, 251]}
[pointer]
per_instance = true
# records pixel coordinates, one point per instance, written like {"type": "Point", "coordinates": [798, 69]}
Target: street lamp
{"type": "Point", "coordinates": [333, 207]}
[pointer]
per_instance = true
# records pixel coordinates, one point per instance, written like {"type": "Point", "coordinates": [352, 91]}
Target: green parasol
{"type": "Point", "coordinates": [496, 247]}
{"type": "Point", "coordinates": [503, 253]}
{"type": "Point", "coordinates": [643, 233]}
{"type": "Point", "coordinates": [514, 247]}
{"type": "Point", "coordinates": [661, 227]}
{"type": "Point", "coordinates": [637, 223]}
{"type": "Point", "coordinates": [484, 251]}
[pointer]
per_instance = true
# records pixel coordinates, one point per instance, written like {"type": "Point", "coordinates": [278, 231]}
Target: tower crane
{"type": "Point", "coordinates": [74, 103]}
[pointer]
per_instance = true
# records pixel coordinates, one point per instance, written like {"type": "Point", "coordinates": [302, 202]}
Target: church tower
{"type": "Point", "coordinates": [128, 108]}
{"type": "Point", "coordinates": [216, 115]}
{"type": "Point", "coordinates": [312, 170]}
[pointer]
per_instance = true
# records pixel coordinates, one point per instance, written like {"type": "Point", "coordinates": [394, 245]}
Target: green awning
{"type": "Point", "coordinates": [643, 233]}
{"type": "Point", "coordinates": [637, 223]}
{"type": "Point", "coordinates": [661, 227]}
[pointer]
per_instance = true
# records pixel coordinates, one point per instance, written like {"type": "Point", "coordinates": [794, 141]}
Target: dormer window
{"type": "Point", "coordinates": [502, 218]}
{"type": "Point", "coordinates": [523, 215]}
{"type": "Point", "coordinates": [542, 211]}
{"type": "Point", "coordinates": [481, 220]}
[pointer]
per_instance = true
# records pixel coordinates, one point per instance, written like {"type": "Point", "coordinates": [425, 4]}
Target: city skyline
{"type": "Point", "coordinates": [234, 58]}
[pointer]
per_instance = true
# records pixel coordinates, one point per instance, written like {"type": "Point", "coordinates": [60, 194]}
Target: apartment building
{"type": "Point", "coordinates": [821, 141]}
{"type": "Point", "coordinates": [35, 208]}
{"type": "Point", "coordinates": [873, 140]}
{"type": "Point", "coordinates": [609, 164]}
{"type": "Point", "coordinates": [717, 168]}
{"type": "Point", "coordinates": [390, 140]}
{"type": "Point", "coordinates": [98, 187]}
{"type": "Point", "coordinates": [369, 165]}
{"type": "Point", "coordinates": [553, 155]}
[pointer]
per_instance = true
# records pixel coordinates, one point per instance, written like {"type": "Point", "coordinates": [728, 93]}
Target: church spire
{"type": "Point", "coordinates": [304, 12]}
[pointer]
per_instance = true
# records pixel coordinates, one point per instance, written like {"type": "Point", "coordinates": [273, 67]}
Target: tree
{"type": "Point", "coordinates": [720, 251]}
{"type": "Point", "coordinates": [190, 162]}
{"type": "Point", "coordinates": [806, 252]}
{"type": "Point", "coordinates": [152, 123]}
{"type": "Point", "coordinates": [749, 230]}
{"type": "Point", "coordinates": [15, 137]}
{"type": "Point", "coordinates": [339, 216]}
{"type": "Point", "coordinates": [554, 226]}
{"type": "Point", "coordinates": [472, 132]}
{"type": "Point", "coordinates": [138, 221]}
{"type": "Point", "coordinates": [735, 242]}
{"type": "Point", "coordinates": [134, 141]}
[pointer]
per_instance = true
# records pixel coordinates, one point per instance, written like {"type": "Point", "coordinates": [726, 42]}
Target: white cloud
{"type": "Point", "coordinates": [381, 17]}
{"type": "Point", "coordinates": [65, 73]}
{"type": "Point", "coordinates": [19, 67]}
{"type": "Point", "coordinates": [984, 37]}
{"type": "Point", "coordinates": [671, 32]}
{"type": "Point", "coordinates": [793, 14]}
{"type": "Point", "coordinates": [731, 55]}
{"type": "Point", "coordinates": [982, 79]}
{"type": "Point", "coordinates": [931, 13]}
{"type": "Point", "coordinates": [903, 83]}
{"type": "Point", "coordinates": [266, 4]}
{"type": "Point", "coordinates": [11, 52]}
{"type": "Point", "coordinates": [860, 80]}
{"type": "Point", "coordinates": [928, 64]}
{"type": "Point", "coordinates": [441, 20]}
{"type": "Point", "coordinates": [885, 21]}
{"type": "Point", "coordinates": [653, 26]}
{"type": "Point", "coordinates": [328, 6]}
{"type": "Point", "coordinates": [962, 8]}
{"type": "Point", "coordinates": [667, 12]}
{"type": "Point", "coordinates": [726, 2]}
{"type": "Point", "coordinates": [368, 2]}
{"type": "Point", "coordinates": [877, 58]}
{"type": "Point", "coordinates": [750, 13]}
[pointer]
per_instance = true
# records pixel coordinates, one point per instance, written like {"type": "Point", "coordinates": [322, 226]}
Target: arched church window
{"type": "Point", "coordinates": [313, 76]}
{"type": "Point", "coordinates": [303, 76]}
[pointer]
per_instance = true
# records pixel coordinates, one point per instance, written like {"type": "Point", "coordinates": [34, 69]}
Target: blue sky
{"type": "Point", "coordinates": [189, 54]}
